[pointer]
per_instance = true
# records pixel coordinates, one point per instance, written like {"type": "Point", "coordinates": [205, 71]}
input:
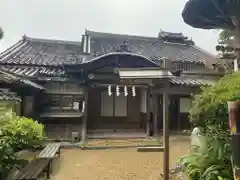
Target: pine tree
{"type": "Point", "coordinates": [1, 33]}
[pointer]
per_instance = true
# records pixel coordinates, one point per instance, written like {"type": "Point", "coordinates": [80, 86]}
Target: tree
{"type": "Point", "coordinates": [1, 33]}
{"type": "Point", "coordinates": [215, 14]}
{"type": "Point", "coordinates": [225, 35]}
{"type": "Point", "coordinates": [210, 113]}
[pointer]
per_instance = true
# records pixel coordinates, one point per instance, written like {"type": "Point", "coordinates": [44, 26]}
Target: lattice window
{"type": "Point", "coordinates": [64, 103]}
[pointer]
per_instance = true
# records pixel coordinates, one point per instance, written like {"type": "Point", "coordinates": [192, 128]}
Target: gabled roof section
{"type": "Point", "coordinates": [33, 71]}
{"type": "Point", "coordinates": [12, 79]}
{"type": "Point", "coordinates": [5, 94]}
{"type": "Point", "coordinates": [149, 61]}
{"type": "Point", "coordinates": [42, 52]}
{"type": "Point", "coordinates": [154, 48]}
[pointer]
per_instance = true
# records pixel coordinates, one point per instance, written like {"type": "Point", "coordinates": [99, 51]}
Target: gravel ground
{"type": "Point", "coordinates": [124, 142]}
{"type": "Point", "coordinates": [114, 164]}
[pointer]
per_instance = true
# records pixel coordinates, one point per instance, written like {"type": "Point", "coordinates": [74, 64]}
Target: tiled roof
{"type": "Point", "coordinates": [31, 51]}
{"type": "Point", "coordinates": [6, 95]}
{"type": "Point", "coordinates": [9, 78]}
{"type": "Point", "coordinates": [9, 97]}
{"type": "Point", "coordinates": [154, 48]}
{"type": "Point", "coordinates": [190, 82]}
{"type": "Point", "coordinates": [32, 57]}
{"type": "Point", "coordinates": [31, 84]}
{"type": "Point", "coordinates": [31, 71]}
{"type": "Point", "coordinates": [46, 52]}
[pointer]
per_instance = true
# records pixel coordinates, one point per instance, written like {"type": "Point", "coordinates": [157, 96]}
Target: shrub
{"type": "Point", "coordinates": [210, 107]}
{"type": "Point", "coordinates": [210, 161]}
{"type": "Point", "coordinates": [18, 133]}
{"type": "Point", "coordinates": [210, 112]}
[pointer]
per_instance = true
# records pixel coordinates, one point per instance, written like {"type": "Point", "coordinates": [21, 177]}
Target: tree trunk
{"type": "Point", "coordinates": [234, 124]}
{"type": "Point", "coordinates": [236, 21]}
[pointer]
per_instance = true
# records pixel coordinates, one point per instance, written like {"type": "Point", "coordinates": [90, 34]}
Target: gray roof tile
{"type": "Point", "coordinates": [10, 78]}
{"type": "Point", "coordinates": [5, 94]}
{"type": "Point", "coordinates": [42, 52]}
{"type": "Point", "coordinates": [44, 57]}
{"type": "Point", "coordinates": [183, 81]}
{"type": "Point", "coordinates": [152, 47]}
{"type": "Point", "coordinates": [31, 71]}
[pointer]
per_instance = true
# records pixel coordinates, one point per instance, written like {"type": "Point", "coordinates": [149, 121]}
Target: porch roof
{"type": "Point", "coordinates": [9, 78]}
{"type": "Point", "coordinates": [156, 73]}
{"type": "Point", "coordinates": [186, 81]}
{"type": "Point", "coordinates": [144, 73]}
{"type": "Point", "coordinates": [9, 96]}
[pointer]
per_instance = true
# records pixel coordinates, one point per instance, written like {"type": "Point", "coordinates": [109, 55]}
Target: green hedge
{"type": "Point", "coordinates": [17, 133]}
{"type": "Point", "coordinates": [210, 113]}
{"type": "Point", "coordinates": [210, 107]}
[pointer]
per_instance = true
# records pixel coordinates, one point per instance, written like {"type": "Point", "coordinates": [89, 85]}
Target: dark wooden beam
{"type": "Point", "coordinates": [148, 113]}
{"type": "Point", "coordinates": [150, 149]}
{"type": "Point", "coordinates": [85, 116]}
{"type": "Point", "coordinates": [64, 93]}
{"type": "Point", "coordinates": [120, 85]}
{"type": "Point", "coordinates": [178, 90]}
{"type": "Point", "coordinates": [155, 114]}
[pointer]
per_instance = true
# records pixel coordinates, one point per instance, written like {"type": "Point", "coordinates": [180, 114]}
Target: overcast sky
{"type": "Point", "coordinates": [67, 19]}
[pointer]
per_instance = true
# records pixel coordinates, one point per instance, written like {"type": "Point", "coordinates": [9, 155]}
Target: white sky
{"type": "Point", "coordinates": [67, 19]}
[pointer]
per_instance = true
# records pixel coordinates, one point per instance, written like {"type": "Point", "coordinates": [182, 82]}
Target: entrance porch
{"type": "Point", "coordinates": [116, 114]}
{"type": "Point", "coordinates": [121, 95]}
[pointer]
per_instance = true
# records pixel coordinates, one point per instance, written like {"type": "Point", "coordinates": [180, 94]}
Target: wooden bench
{"type": "Point", "coordinates": [33, 170]}
{"type": "Point", "coordinates": [49, 152]}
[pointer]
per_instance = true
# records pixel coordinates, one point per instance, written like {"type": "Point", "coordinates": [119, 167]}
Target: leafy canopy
{"type": "Point", "coordinates": [16, 134]}
{"type": "Point", "coordinates": [1, 33]}
{"type": "Point", "coordinates": [210, 112]}
{"type": "Point", "coordinates": [210, 107]}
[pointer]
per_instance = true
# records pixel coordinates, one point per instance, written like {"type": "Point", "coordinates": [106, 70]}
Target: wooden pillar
{"type": "Point", "coordinates": [28, 106]}
{"type": "Point", "coordinates": [148, 113]}
{"type": "Point", "coordinates": [165, 102]}
{"type": "Point", "coordinates": [178, 115]}
{"type": "Point", "coordinates": [155, 114]}
{"type": "Point", "coordinates": [85, 116]}
{"type": "Point", "coordinates": [165, 136]}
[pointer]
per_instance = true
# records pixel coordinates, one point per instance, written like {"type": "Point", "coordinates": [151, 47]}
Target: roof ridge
{"type": "Point", "coordinates": [204, 51]}
{"type": "Point", "coordinates": [12, 49]}
{"type": "Point", "coordinates": [104, 34]}
{"type": "Point", "coordinates": [51, 40]}
{"type": "Point", "coordinates": [210, 60]}
{"type": "Point", "coordinates": [9, 49]}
